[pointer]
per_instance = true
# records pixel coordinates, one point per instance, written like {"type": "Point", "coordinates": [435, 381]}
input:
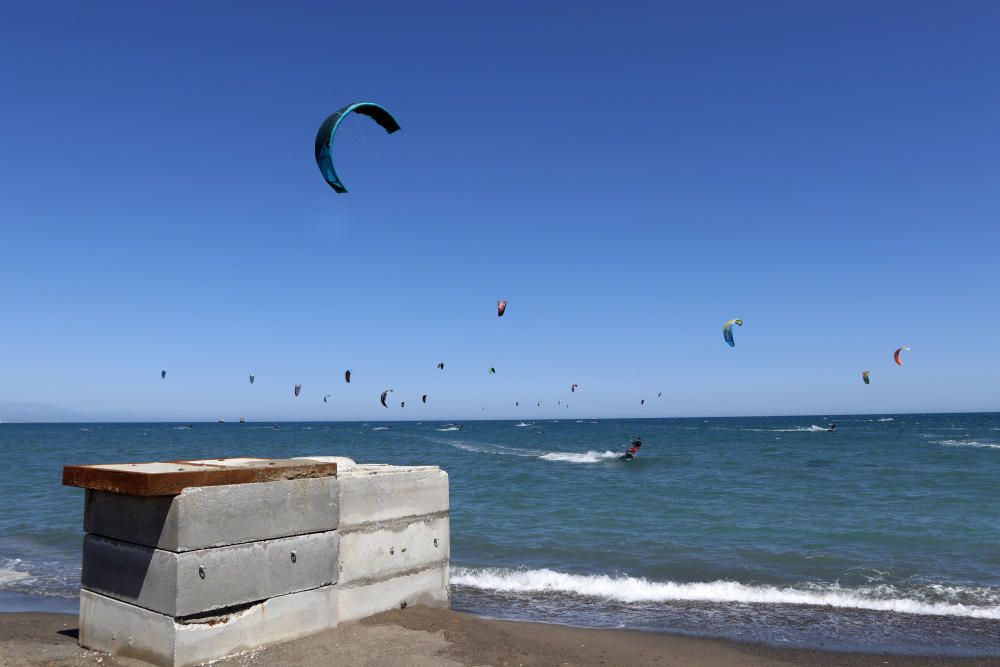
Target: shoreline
{"type": "Point", "coordinates": [422, 636]}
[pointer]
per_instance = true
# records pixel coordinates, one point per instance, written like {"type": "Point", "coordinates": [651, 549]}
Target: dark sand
{"type": "Point", "coordinates": [421, 637]}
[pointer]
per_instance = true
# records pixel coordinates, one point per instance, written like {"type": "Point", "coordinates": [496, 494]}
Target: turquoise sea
{"type": "Point", "coordinates": [881, 535]}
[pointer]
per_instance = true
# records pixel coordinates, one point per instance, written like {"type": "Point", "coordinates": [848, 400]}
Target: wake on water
{"type": "Point", "coordinates": [588, 457]}
{"type": "Point", "coordinates": [930, 600]}
{"type": "Point", "coordinates": [562, 457]}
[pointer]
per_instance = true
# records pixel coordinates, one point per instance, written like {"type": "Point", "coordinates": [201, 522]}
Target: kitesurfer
{"type": "Point", "coordinates": [633, 449]}
{"type": "Point", "coordinates": [831, 427]}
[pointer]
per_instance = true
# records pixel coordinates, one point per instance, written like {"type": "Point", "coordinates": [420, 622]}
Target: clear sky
{"type": "Point", "coordinates": [628, 176]}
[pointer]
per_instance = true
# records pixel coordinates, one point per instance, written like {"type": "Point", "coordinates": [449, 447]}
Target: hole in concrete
{"type": "Point", "coordinates": [201, 571]}
{"type": "Point", "coordinates": [294, 557]}
{"type": "Point", "coordinates": [402, 605]}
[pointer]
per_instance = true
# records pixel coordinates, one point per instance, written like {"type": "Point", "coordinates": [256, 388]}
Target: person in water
{"type": "Point", "coordinates": [634, 449]}
{"type": "Point", "coordinates": [831, 427]}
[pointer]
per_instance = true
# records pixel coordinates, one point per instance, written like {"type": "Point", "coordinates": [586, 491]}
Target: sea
{"type": "Point", "coordinates": [881, 535]}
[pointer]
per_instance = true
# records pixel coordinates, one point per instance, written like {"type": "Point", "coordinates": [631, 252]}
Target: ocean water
{"type": "Point", "coordinates": [881, 535]}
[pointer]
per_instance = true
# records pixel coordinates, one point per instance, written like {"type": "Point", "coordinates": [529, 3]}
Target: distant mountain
{"type": "Point", "coordinates": [36, 412]}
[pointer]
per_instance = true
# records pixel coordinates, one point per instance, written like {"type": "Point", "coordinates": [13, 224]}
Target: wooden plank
{"type": "Point", "coordinates": [171, 477]}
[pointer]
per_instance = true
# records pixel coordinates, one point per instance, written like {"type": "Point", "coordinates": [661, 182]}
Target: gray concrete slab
{"type": "Point", "coordinates": [372, 493]}
{"type": "Point", "coordinates": [193, 582]}
{"type": "Point", "coordinates": [379, 550]}
{"type": "Point", "coordinates": [428, 586]}
{"type": "Point", "coordinates": [213, 516]}
{"type": "Point", "coordinates": [125, 630]}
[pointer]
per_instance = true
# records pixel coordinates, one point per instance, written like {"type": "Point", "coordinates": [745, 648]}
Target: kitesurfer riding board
{"type": "Point", "coordinates": [631, 452]}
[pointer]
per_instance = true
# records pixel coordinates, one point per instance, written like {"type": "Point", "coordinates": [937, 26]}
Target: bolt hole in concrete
{"type": "Point", "coordinates": [392, 551]}
{"type": "Point", "coordinates": [294, 557]}
{"type": "Point", "coordinates": [201, 572]}
{"type": "Point", "coordinates": [435, 541]}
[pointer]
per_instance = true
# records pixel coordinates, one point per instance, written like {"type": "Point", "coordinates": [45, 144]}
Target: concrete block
{"type": "Point", "coordinates": [372, 493]}
{"type": "Point", "coordinates": [193, 582]}
{"type": "Point", "coordinates": [126, 630]}
{"type": "Point", "coordinates": [379, 550]}
{"type": "Point", "coordinates": [428, 586]}
{"type": "Point", "coordinates": [213, 516]}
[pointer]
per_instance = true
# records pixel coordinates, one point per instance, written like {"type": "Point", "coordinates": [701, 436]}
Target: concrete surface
{"type": "Point", "coordinates": [382, 549]}
{"type": "Point", "coordinates": [428, 586]}
{"type": "Point", "coordinates": [126, 630]}
{"type": "Point", "coordinates": [372, 493]}
{"type": "Point", "coordinates": [193, 582]}
{"type": "Point", "coordinates": [214, 516]}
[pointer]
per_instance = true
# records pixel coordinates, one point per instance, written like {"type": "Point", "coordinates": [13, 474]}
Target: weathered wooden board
{"type": "Point", "coordinates": [171, 477]}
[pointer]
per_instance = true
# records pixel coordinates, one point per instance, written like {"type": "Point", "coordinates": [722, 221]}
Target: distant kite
{"type": "Point", "coordinates": [402, 404]}
{"type": "Point", "coordinates": [385, 395]}
{"type": "Point", "coordinates": [163, 374]}
{"type": "Point", "coordinates": [895, 355]}
{"type": "Point", "coordinates": [727, 331]}
{"type": "Point", "coordinates": [441, 365]}
{"type": "Point", "coordinates": [642, 402]}
{"type": "Point", "coordinates": [423, 399]}
{"type": "Point", "coordinates": [501, 308]}
{"type": "Point", "coordinates": [659, 394]}
{"type": "Point", "coordinates": [573, 387]}
{"type": "Point", "coordinates": [326, 397]}
{"type": "Point", "coordinates": [866, 376]}
{"type": "Point", "coordinates": [516, 404]}
{"type": "Point", "coordinates": [347, 376]}
{"type": "Point", "coordinates": [324, 137]}
{"type": "Point", "coordinates": [493, 371]}
{"type": "Point", "coordinates": [298, 390]}
{"type": "Point", "coordinates": [252, 378]}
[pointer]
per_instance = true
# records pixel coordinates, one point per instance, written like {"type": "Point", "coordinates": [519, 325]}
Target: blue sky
{"type": "Point", "coordinates": [629, 177]}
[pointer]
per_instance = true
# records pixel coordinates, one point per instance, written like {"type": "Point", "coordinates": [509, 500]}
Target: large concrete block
{"type": "Point", "coordinates": [193, 582]}
{"type": "Point", "coordinates": [428, 586]}
{"type": "Point", "coordinates": [371, 493]}
{"type": "Point", "coordinates": [213, 516]}
{"type": "Point", "coordinates": [379, 550]}
{"type": "Point", "coordinates": [126, 630]}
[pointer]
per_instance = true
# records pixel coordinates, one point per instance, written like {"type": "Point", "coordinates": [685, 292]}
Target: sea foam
{"type": "Point", "coordinates": [636, 589]}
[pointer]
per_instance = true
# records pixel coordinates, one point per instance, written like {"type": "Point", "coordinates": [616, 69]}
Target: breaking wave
{"type": "Point", "coordinates": [929, 600]}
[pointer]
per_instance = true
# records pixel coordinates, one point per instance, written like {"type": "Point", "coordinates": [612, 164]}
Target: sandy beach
{"type": "Point", "coordinates": [422, 637]}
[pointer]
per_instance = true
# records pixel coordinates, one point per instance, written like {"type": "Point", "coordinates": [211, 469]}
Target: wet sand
{"type": "Point", "coordinates": [422, 637]}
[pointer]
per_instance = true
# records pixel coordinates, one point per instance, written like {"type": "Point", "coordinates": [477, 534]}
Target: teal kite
{"type": "Point", "coordinates": [324, 137]}
{"type": "Point", "coordinates": [727, 331]}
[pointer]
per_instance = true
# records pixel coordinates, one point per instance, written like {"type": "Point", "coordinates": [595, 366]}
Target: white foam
{"type": "Point", "coordinates": [635, 589]}
{"type": "Point", "coordinates": [523, 424]}
{"type": "Point", "coordinates": [385, 428]}
{"type": "Point", "coordinates": [797, 429]}
{"type": "Point", "coordinates": [448, 428]}
{"type": "Point", "coordinates": [572, 457]}
{"type": "Point", "coordinates": [969, 443]}
{"type": "Point", "coordinates": [7, 576]}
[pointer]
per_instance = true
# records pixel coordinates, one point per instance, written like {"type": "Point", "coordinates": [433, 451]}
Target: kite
{"type": "Point", "coordinates": [326, 397]}
{"type": "Point", "coordinates": [385, 395]}
{"type": "Point", "coordinates": [423, 399]}
{"type": "Point", "coordinates": [493, 371]}
{"type": "Point", "coordinates": [298, 390]}
{"type": "Point", "coordinates": [326, 132]}
{"type": "Point", "coordinates": [501, 308]}
{"type": "Point", "coordinates": [163, 374]}
{"type": "Point", "coordinates": [895, 355]}
{"type": "Point", "coordinates": [865, 375]}
{"type": "Point", "coordinates": [573, 387]}
{"type": "Point", "coordinates": [252, 378]}
{"type": "Point", "coordinates": [347, 377]}
{"type": "Point", "coordinates": [441, 365]}
{"type": "Point", "coordinates": [727, 331]}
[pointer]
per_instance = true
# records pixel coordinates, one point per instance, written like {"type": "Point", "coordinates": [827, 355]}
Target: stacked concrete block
{"type": "Point", "coordinates": [216, 570]}
{"type": "Point", "coordinates": [395, 538]}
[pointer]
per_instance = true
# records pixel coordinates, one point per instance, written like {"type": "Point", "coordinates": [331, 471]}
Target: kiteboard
{"type": "Point", "coordinates": [626, 457]}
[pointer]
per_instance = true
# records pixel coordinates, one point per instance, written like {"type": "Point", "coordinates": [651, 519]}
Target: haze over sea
{"type": "Point", "coordinates": [881, 535]}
